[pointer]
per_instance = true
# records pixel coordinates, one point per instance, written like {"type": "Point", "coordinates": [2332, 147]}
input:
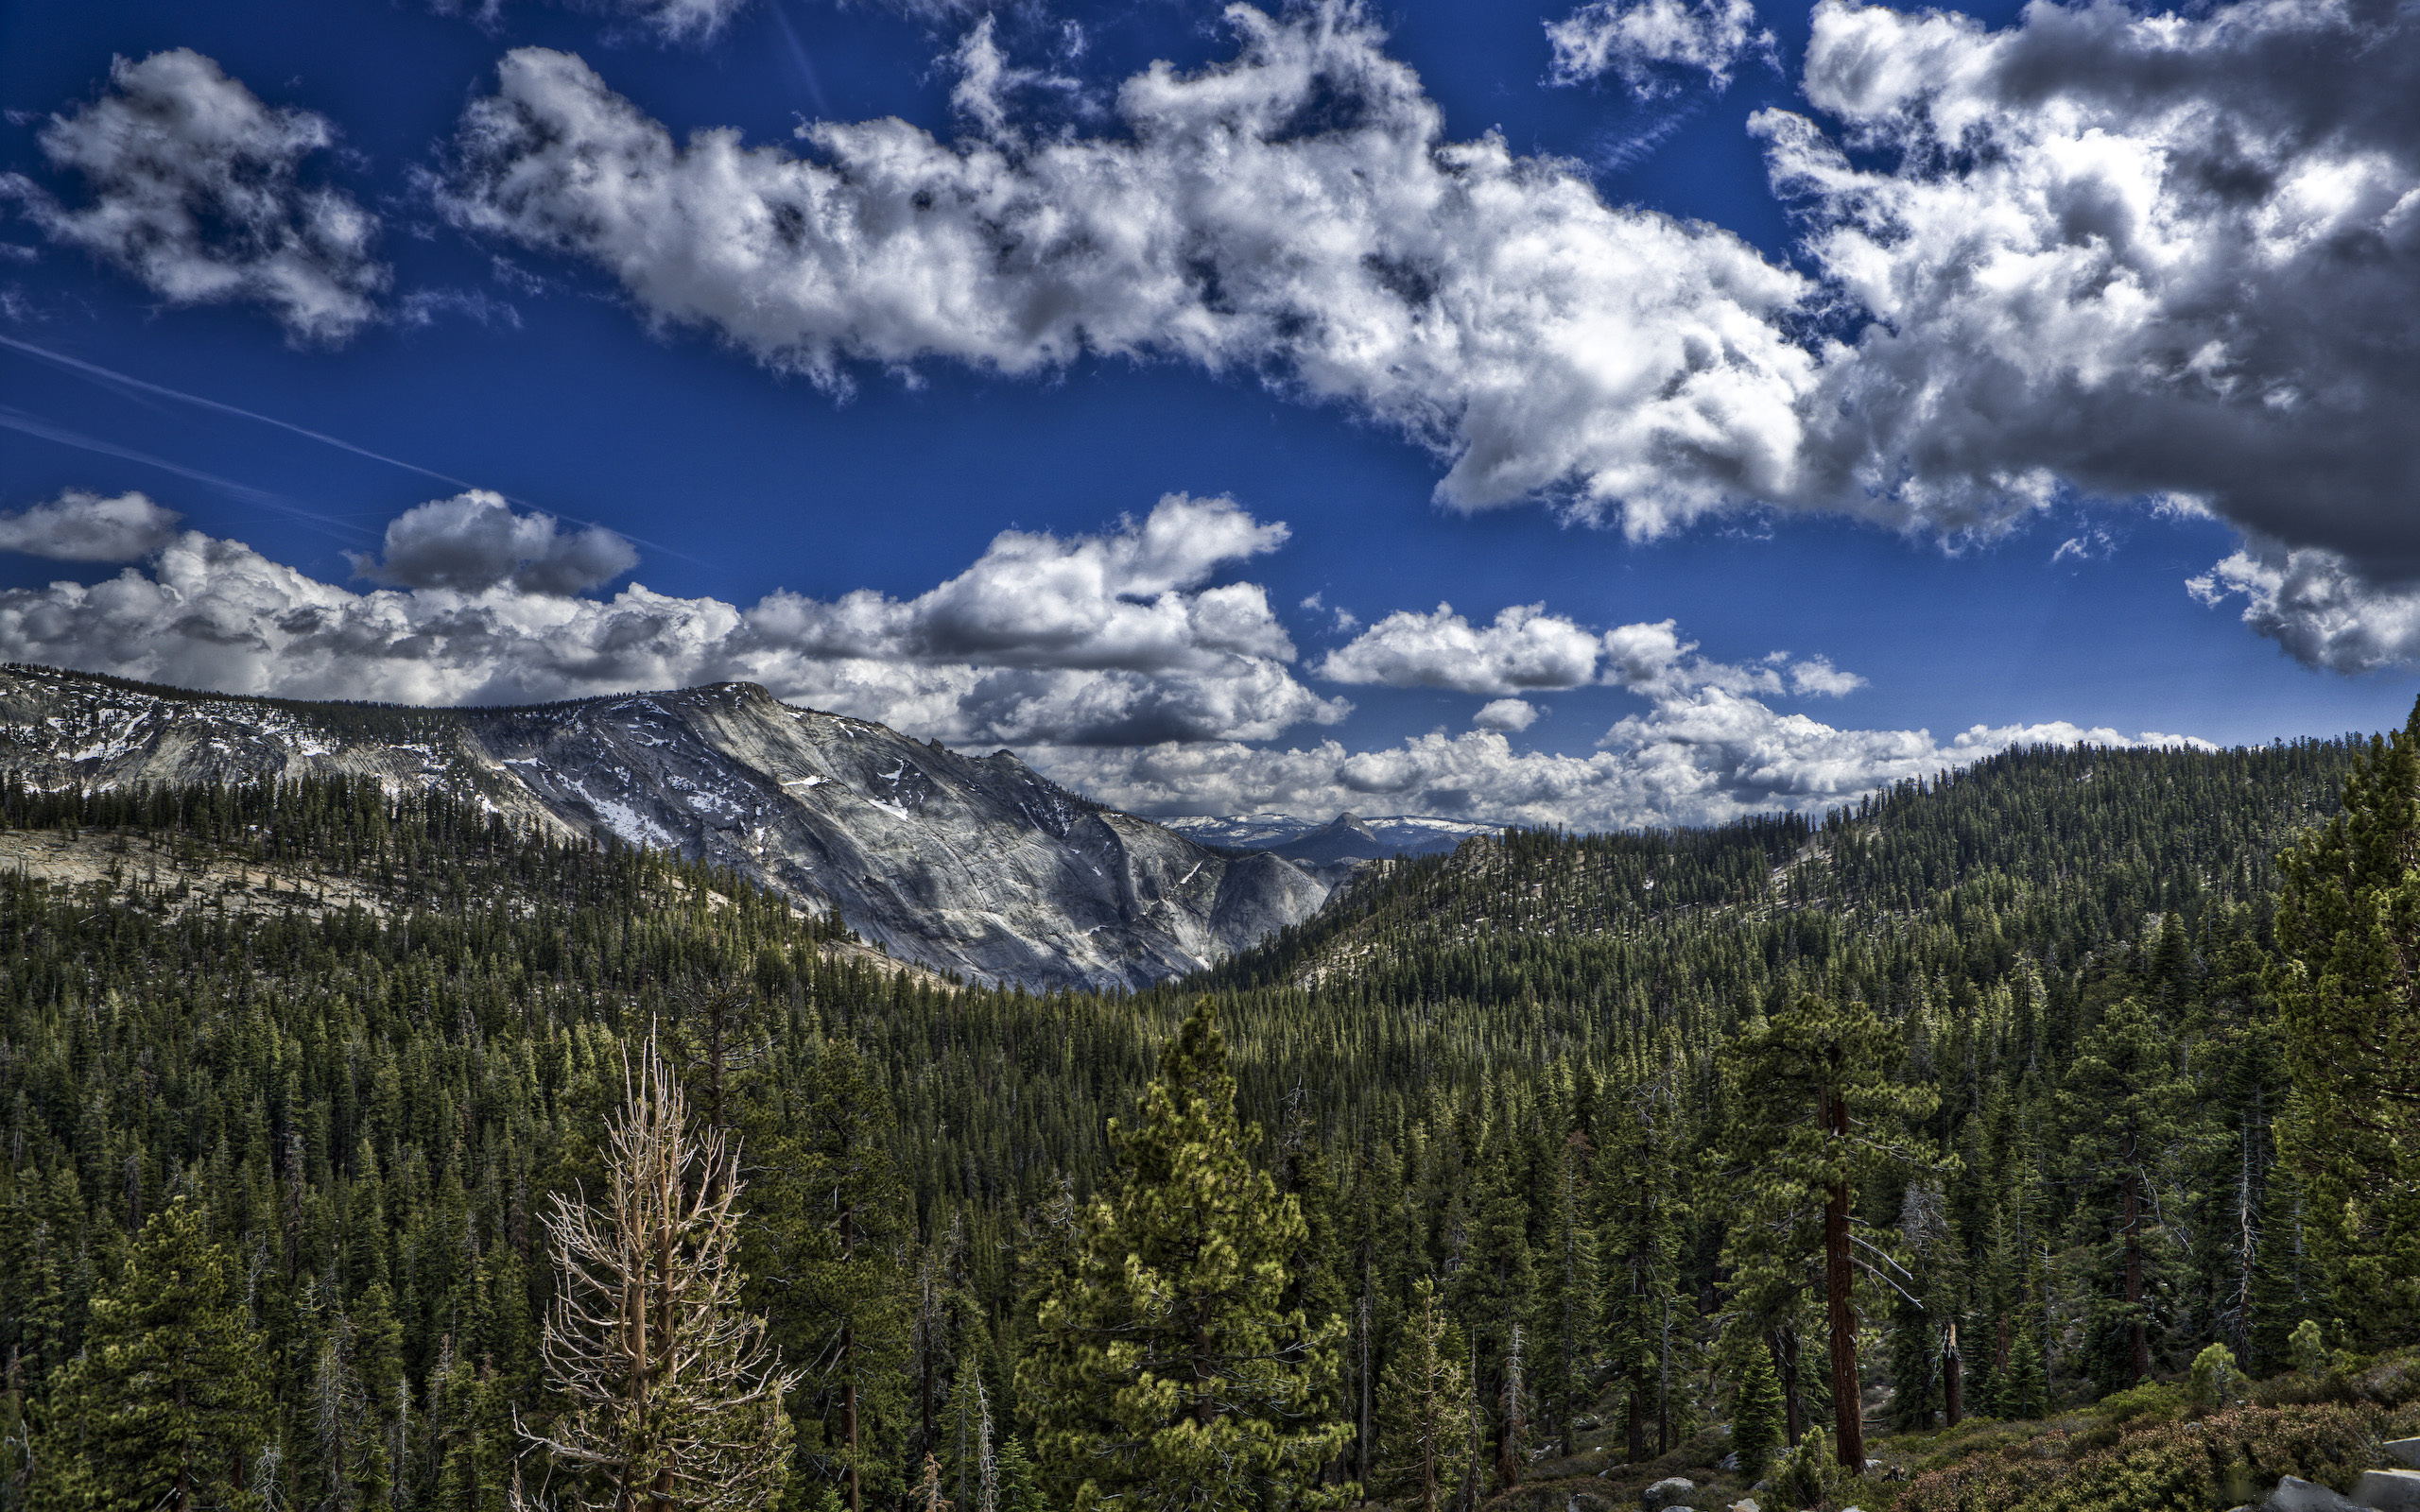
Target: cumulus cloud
{"type": "Point", "coordinates": [1650, 44]}
{"type": "Point", "coordinates": [2152, 258]}
{"type": "Point", "coordinates": [475, 541]}
{"type": "Point", "coordinates": [1510, 714]}
{"type": "Point", "coordinates": [1527, 649]}
{"type": "Point", "coordinates": [1110, 638]}
{"type": "Point", "coordinates": [1296, 212]}
{"type": "Point", "coordinates": [1700, 756]}
{"type": "Point", "coordinates": [2311, 601]}
{"type": "Point", "coordinates": [83, 527]}
{"type": "Point", "coordinates": [2129, 254]}
{"type": "Point", "coordinates": [196, 191]}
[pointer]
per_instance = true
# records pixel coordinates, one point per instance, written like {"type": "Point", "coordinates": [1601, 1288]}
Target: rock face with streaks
{"type": "Point", "coordinates": [973, 864]}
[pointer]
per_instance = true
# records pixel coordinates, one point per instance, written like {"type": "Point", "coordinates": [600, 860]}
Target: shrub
{"type": "Point", "coordinates": [2213, 1378]}
{"type": "Point", "coordinates": [2151, 1400]}
{"type": "Point", "coordinates": [2164, 1465]}
{"type": "Point", "coordinates": [1809, 1475]}
{"type": "Point", "coordinates": [2310, 1352]}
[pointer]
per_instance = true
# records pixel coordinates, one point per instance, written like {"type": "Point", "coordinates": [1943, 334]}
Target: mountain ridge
{"type": "Point", "coordinates": [976, 866]}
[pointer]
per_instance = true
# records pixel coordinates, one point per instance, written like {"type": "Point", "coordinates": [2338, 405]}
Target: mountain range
{"type": "Point", "coordinates": [976, 866]}
{"type": "Point", "coordinates": [1345, 838]}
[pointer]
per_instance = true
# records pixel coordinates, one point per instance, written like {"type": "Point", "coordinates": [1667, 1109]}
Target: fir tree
{"type": "Point", "coordinates": [1163, 1373]}
{"type": "Point", "coordinates": [2346, 983]}
{"type": "Point", "coordinates": [2123, 1098]}
{"type": "Point", "coordinates": [165, 1409]}
{"type": "Point", "coordinates": [1422, 1433]}
{"type": "Point", "coordinates": [1755, 1415]}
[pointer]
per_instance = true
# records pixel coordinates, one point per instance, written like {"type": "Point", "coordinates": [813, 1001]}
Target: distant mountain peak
{"type": "Point", "coordinates": [974, 865]}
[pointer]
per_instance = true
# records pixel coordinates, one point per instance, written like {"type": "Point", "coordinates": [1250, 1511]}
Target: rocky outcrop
{"type": "Point", "coordinates": [973, 864]}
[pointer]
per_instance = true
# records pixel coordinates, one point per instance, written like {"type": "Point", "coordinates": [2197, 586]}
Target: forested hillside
{"type": "Point", "coordinates": [1555, 1155]}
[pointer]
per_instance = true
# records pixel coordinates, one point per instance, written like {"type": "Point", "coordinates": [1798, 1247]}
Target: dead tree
{"type": "Point", "coordinates": [676, 1398]}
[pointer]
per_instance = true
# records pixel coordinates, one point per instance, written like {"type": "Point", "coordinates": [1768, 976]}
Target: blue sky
{"type": "Point", "coordinates": [2014, 558]}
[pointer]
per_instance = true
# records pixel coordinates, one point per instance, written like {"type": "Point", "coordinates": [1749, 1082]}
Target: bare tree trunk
{"type": "Point", "coordinates": [1361, 1460]}
{"type": "Point", "coordinates": [1953, 1386]}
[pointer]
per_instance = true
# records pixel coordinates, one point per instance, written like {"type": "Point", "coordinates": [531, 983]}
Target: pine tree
{"type": "Point", "coordinates": [2122, 1099]}
{"type": "Point", "coordinates": [2347, 981]}
{"type": "Point", "coordinates": [1816, 1110]}
{"type": "Point", "coordinates": [676, 1401]}
{"type": "Point", "coordinates": [167, 1407]}
{"type": "Point", "coordinates": [1423, 1435]}
{"type": "Point", "coordinates": [1644, 1317]}
{"type": "Point", "coordinates": [827, 1249]}
{"type": "Point", "coordinates": [1162, 1374]}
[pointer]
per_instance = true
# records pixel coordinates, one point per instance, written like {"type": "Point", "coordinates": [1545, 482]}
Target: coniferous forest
{"type": "Point", "coordinates": [2037, 1137]}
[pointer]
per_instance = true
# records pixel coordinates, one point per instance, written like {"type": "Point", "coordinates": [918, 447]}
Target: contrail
{"type": "Point", "coordinates": [101, 375]}
{"type": "Point", "coordinates": [18, 420]}
{"type": "Point", "coordinates": [35, 426]}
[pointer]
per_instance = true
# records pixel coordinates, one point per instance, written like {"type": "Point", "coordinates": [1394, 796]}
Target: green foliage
{"type": "Point", "coordinates": [166, 1406]}
{"type": "Point", "coordinates": [1757, 1416]}
{"type": "Point", "coordinates": [1810, 1474]}
{"type": "Point", "coordinates": [2309, 1349]}
{"type": "Point", "coordinates": [1475, 1069]}
{"type": "Point", "coordinates": [2025, 1391]}
{"type": "Point", "coordinates": [2346, 979]}
{"type": "Point", "coordinates": [1163, 1372]}
{"type": "Point", "coordinates": [2213, 1377]}
{"type": "Point", "coordinates": [2164, 1466]}
{"type": "Point", "coordinates": [1424, 1412]}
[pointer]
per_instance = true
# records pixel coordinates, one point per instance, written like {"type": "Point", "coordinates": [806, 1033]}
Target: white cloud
{"type": "Point", "coordinates": [2163, 258]}
{"type": "Point", "coordinates": [1647, 42]}
{"type": "Point", "coordinates": [475, 541]}
{"type": "Point", "coordinates": [196, 192]}
{"type": "Point", "coordinates": [83, 527]}
{"type": "Point", "coordinates": [1297, 212]}
{"type": "Point", "coordinates": [1110, 638]}
{"type": "Point", "coordinates": [1510, 714]}
{"type": "Point", "coordinates": [2158, 256]}
{"type": "Point", "coordinates": [1702, 755]}
{"type": "Point", "coordinates": [2311, 602]}
{"type": "Point", "coordinates": [1527, 649]}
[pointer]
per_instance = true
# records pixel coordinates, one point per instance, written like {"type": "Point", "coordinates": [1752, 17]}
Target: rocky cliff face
{"type": "Point", "coordinates": [974, 865]}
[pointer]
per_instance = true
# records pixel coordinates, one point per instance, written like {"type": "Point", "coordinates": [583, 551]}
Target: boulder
{"type": "Point", "coordinates": [2294, 1494]}
{"type": "Point", "coordinates": [1666, 1495]}
{"type": "Point", "coordinates": [2389, 1490]}
{"type": "Point", "coordinates": [2405, 1450]}
{"type": "Point", "coordinates": [1744, 1504]}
